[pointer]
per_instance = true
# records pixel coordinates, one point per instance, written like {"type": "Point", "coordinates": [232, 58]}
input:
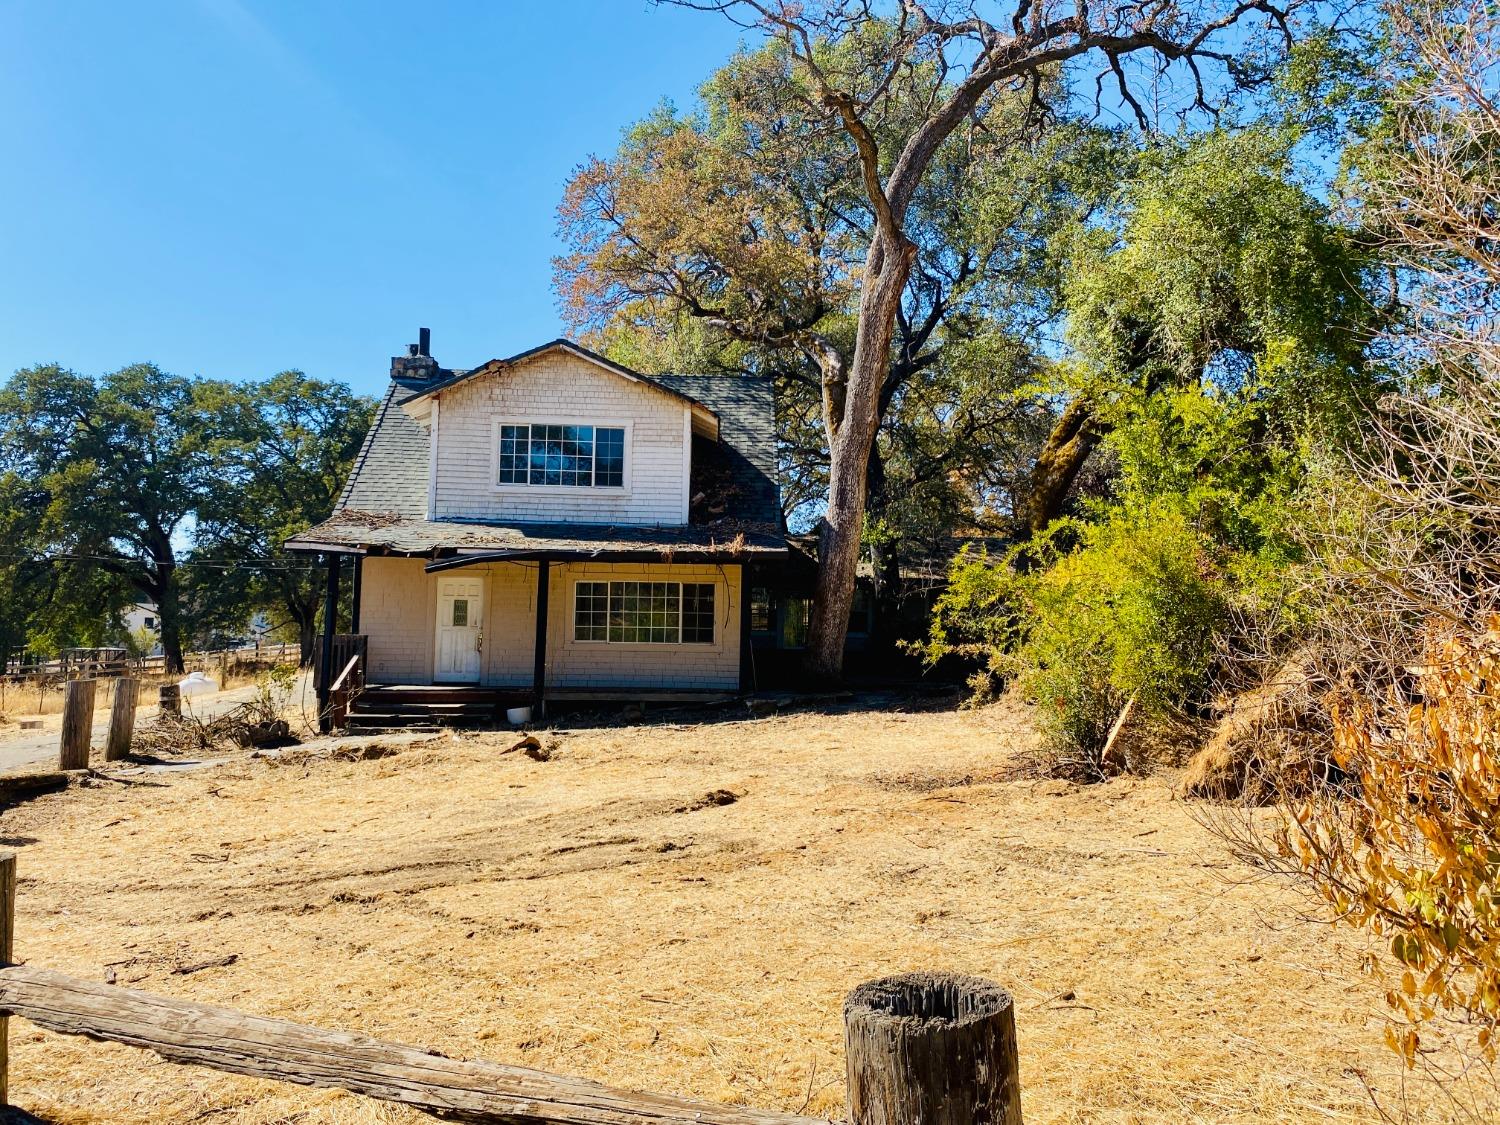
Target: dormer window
{"type": "Point", "coordinates": [567, 455]}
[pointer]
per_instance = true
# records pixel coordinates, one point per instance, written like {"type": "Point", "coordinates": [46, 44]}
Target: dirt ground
{"type": "Point", "coordinates": [595, 914]}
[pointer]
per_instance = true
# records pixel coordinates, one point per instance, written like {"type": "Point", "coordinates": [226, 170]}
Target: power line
{"type": "Point", "coordinates": [208, 564]}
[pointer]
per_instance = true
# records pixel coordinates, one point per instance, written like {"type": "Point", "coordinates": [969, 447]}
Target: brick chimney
{"type": "Point", "coordinates": [417, 363]}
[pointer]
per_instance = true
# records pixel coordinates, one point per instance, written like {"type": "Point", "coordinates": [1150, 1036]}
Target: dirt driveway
{"type": "Point", "coordinates": [600, 914]}
{"type": "Point", "coordinates": [22, 751]}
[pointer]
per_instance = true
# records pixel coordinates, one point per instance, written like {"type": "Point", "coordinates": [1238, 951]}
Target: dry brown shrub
{"type": "Point", "coordinates": [1409, 847]}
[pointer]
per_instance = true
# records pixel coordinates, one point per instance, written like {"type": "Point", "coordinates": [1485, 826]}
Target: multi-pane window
{"type": "Point", "coordinates": [644, 612]}
{"type": "Point", "coordinates": [697, 613]}
{"type": "Point", "coordinates": [591, 611]}
{"type": "Point", "coordinates": [609, 457]}
{"type": "Point", "coordinates": [576, 456]}
{"type": "Point", "coordinates": [794, 615]}
{"type": "Point", "coordinates": [760, 610]}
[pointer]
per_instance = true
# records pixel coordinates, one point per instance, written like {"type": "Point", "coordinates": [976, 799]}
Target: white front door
{"type": "Point", "coordinates": [460, 624]}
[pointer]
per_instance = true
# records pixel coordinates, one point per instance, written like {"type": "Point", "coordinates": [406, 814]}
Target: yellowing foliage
{"type": "Point", "coordinates": [1410, 849]}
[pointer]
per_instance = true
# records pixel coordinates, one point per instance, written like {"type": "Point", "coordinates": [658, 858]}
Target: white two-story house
{"type": "Point", "coordinates": [557, 525]}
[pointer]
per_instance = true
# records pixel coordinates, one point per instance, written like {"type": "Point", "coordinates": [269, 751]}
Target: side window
{"type": "Point", "coordinates": [859, 610]}
{"type": "Point", "coordinates": [794, 623]}
{"type": "Point", "coordinates": [760, 610]}
{"type": "Point", "coordinates": [515, 452]}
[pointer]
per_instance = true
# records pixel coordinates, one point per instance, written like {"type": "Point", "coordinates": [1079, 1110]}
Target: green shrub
{"type": "Point", "coordinates": [1132, 598]}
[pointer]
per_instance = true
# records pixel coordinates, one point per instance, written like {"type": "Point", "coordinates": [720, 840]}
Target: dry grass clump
{"type": "Point", "coordinates": [610, 913]}
{"type": "Point", "coordinates": [1272, 742]}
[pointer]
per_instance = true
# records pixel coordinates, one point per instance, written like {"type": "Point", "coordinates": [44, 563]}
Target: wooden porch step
{"type": "Point", "coordinates": [437, 693]}
{"type": "Point", "coordinates": [426, 707]}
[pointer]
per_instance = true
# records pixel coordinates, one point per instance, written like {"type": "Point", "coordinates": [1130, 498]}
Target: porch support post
{"type": "Point", "coordinates": [359, 574]}
{"type": "Point", "coordinates": [747, 654]}
{"type": "Point", "coordinates": [330, 627]}
{"type": "Point", "coordinates": [539, 672]}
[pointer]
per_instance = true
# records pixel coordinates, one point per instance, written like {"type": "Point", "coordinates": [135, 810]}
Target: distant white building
{"type": "Point", "coordinates": [142, 616]}
{"type": "Point", "coordinates": [143, 620]}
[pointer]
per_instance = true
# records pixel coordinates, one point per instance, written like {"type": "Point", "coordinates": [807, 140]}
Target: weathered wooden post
{"type": "Point", "coordinates": [7, 939]}
{"type": "Point", "coordinates": [121, 719]}
{"type": "Point", "coordinates": [77, 725]}
{"type": "Point", "coordinates": [935, 1048]}
{"type": "Point", "coordinates": [169, 700]}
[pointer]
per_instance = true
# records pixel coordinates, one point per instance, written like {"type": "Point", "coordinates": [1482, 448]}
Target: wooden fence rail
{"type": "Point", "coordinates": [224, 1039]}
{"type": "Point", "coordinates": [927, 1048]}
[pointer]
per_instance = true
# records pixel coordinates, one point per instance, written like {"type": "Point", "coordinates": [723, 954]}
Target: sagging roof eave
{"type": "Point", "coordinates": [451, 558]}
{"type": "Point", "coordinates": [685, 556]}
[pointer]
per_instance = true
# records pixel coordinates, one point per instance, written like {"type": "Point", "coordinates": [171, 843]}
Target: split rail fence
{"type": "Point", "coordinates": [939, 1049]}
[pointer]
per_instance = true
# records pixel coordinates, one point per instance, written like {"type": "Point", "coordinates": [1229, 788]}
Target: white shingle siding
{"type": "Point", "coordinates": [560, 388]}
{"type": "Point", "coordinates": [398, 612]}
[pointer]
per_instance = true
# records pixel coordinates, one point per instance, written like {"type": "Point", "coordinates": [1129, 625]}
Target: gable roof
{"type": "Point", "coordinates": [704, 414]}
{"type": "Point", "coordinates": [384, 502]}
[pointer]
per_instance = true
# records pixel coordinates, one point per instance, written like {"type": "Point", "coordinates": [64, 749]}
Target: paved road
{"type": "Point", "coordinates": [34, 750]}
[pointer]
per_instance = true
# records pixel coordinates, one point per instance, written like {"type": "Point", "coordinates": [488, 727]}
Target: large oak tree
{"type": "Point", "coordinates": [732, 237]}
{"type": "Point", "coordinates": [897, 83]}
{"type": "Point", "coordinates": [112, 471]}
{"type": "Point", "coordinates": [283, 449]}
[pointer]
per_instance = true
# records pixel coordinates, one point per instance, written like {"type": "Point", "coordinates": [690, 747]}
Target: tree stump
{"type": "Point", "coordinates": [931, 1049]}
{"type": "Point", "coordinates": [77, 725]}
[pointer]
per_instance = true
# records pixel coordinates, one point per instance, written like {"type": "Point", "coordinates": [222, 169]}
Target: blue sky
{"type": "Point", "coordinates": [236, 187]}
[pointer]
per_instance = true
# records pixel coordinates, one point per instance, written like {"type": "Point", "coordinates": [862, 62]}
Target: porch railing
{"type": "Point", "coordinates": [345, 647]}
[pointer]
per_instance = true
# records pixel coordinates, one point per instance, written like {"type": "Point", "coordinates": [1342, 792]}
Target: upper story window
{"type": "Point", "coordinates": [567, 455]}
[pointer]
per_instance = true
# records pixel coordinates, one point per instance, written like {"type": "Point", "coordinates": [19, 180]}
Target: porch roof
{"type": "Point", "coordinates": [362, 532]}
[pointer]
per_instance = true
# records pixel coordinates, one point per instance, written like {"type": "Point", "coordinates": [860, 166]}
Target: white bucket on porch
{"type": "Point", "coordinates": [515, 716]}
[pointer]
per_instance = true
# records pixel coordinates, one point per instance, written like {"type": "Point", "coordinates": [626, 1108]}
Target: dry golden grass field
{"type": "Point", "coordinates": [593, 914]}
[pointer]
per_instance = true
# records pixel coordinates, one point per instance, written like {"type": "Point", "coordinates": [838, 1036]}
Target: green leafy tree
{"type": "Point", "coordinates": [113, 471]}
{"type": "Point", "coordinates": [282, 450]}
{"type": "Point", "coordinates": [1221, 268]}
{"type": "Point", "coordinates": [957, 61]}
{"type": "Point", "coordinates": [733, 238]}
{"type": "Point", "coordinates": [49, 604]}
{"type": "Point", "coordinates": [1218, 334]}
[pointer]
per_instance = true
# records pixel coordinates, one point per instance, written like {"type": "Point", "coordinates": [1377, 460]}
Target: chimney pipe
{"type": "Point", "coordinates": [424, 341]}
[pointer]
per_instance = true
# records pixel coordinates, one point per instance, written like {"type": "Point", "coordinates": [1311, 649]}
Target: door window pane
{"type": "Point", "coordinates": [460, 613]}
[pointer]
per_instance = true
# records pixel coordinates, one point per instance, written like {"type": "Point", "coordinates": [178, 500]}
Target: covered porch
{"type": "Point", "coordinates": [532, 614]}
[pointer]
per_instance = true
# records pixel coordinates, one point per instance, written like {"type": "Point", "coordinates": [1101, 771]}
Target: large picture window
{"type": "Point", "coordinates": [564, 455]}
{"type": "Point", "coordinates": [652, 613]}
